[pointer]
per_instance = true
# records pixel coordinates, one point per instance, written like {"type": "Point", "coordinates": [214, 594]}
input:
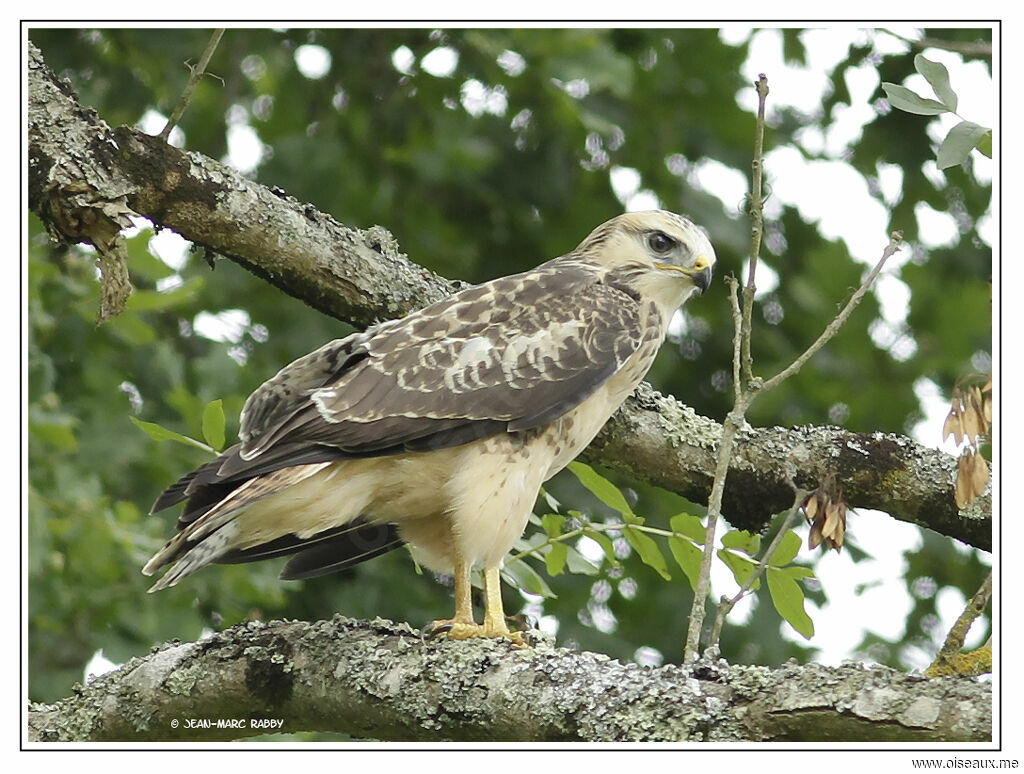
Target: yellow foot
{"type": "Point", "coordinates": [468, 630]}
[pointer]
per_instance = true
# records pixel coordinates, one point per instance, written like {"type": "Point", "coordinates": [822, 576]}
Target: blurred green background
{"type": "Point", "coordinates": [485, 152]}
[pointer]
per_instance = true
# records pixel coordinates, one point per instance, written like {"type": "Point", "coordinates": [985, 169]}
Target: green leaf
{"type": "Point", "coordinates": [799, 572]}
{"type": "Point", "coordinates": [142, 261]}
{"type": "Point", "coordinates": [605, 542]}
{"type": "Point", "coordinates": [741, 540]}
{"type": "Point", "coordinates": [159, 433]}
{"type": "Point", "coordinates": [937, 75]}
{"type": "Point", "coordinates": [647, 548]}
{"type": "Point", "coordinates": [578, 564]}
{"type": "Point", "coordinates": [689, 525]}
{"type": "Point", "coordinates": [687, 556]}
{"type": "Point", "coordinates": [985, 144]}
{"type": "Point", "coordinates": [788, 598]}
{"type": "Point", "coordinates": [961, 140]}
{"type": "Point", "coordinates": [522, 576]}
{"type": "Point", "coordinates": [552, 524]}
{"type": "Point", "coordinates": [902, 98]}
{"type": "Point", "coordinates": [601, 487]}
{"type": "Point", "coordinates": [213, 424]}
{"type": "Point", "coordinates": [555, 558]}
{"type": "Point", "coordinates": [740, 566]}
{"type": "Point", "coordinates": [787, 550]}
{"type": "Point", "coordinates": [129, 327]}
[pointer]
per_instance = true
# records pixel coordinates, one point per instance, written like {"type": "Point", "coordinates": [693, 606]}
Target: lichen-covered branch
{"type": "Point", "coordinates": [656, 439]}
{"type": "Point", "coordinates": [383, 681]}
{"type": "Point", "coordinates": [85, 179]}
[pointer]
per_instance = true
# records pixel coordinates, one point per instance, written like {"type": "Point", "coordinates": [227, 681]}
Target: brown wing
{"type": "Point", "coordinates": [511, 354]}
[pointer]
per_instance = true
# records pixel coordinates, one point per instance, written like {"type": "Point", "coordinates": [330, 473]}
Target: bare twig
{"type": "Point", "coordinates": [743, 382]}
{"type": "Point", "coordinates": [197, 73]}
{"type": "Point", "coordinates": [746, 387]}
{"type": "Point", "coordinates": [737, 340]}
{"type": "Point", "coordinates": [895, 239]}
{"type": "Point", "coordinates": [733, 422]}
{"type": "Point", "coordinates": [756, 227]}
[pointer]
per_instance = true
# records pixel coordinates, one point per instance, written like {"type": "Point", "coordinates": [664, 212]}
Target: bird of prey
{"type": "Point", "coordinates": [438, 429]}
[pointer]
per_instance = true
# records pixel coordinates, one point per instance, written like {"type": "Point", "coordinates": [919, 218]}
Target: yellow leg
{"type": "Point", "coordinates": [463, 591]}
{"type": "Point", "coordinates": [463, 601]}
{"type": "Point", "coordinates": [494, 612]}
{"type": "Point", "coordinates": [462, 626]}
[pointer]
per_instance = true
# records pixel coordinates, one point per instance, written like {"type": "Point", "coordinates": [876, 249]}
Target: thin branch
{"type": "Point", "coordinates": [197, 73]}
{"type": "Point", "coordinates": [756, 225]}
{"type": "Point", "coordinates": [742, 362]}
{"type": "Point", "coordinates": [730, 428]}
{"type": "Point", "coordinates": [726, 604]}
{"type": "Point", "coordinates": [746, 387]}
{"type": "Point", "coordinates": [895, 239]}
{"type": "Point", "coordinates": [737, 340]}
{"type": "Point", "coordinates": [945, 661]}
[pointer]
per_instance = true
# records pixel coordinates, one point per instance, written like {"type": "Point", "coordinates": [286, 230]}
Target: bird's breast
{"type": "Point", "coordinates": [570, 434]}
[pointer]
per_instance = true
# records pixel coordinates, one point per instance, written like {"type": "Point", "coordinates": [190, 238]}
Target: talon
{"type": "Point", "coordinates": [436, 628]}
{"type": "Point", "coordinates": [469, 630]}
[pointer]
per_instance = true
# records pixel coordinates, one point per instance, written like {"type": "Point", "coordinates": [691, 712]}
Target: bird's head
{"type": "Point", "coordinates": [660, 254]}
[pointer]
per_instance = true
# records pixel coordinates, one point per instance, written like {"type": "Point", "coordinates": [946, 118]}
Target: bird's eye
{"type": "Point", "coordinates": [660, 242]}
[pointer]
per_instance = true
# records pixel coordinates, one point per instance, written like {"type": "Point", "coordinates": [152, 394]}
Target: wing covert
{"type": "Point", "coordinates": [512, 354]}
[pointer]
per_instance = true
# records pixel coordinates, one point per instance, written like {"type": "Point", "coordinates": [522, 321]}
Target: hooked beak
{"type": "Point", "coordinates": [699, 273]}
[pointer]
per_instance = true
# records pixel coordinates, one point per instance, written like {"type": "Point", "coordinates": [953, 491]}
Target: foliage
{"type": "Point", "coordinates": [482, 169]}
{"type": "Point", "coordinates": [962, 138]}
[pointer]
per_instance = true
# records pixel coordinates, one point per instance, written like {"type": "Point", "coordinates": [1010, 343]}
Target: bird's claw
{"type": "Point", "coordinates": [469, 630]}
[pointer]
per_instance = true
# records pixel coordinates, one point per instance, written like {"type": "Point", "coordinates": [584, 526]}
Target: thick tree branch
{"type": "Point", "coordinates": [382, 680]}
{"type": "Point", "coordinates": [655, 438]}
{"type": "Point", "coordinates": [86, 179]}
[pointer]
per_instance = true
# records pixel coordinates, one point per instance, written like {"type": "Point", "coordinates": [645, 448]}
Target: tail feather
{"type": "Point", "coordinates": [215, 533]}
{"type": "Point", "coordinates": [195, 558]}
{"type": "Point", "coordinates": [342, 551]}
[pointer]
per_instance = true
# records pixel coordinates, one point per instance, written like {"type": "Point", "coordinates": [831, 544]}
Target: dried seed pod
{"type": "Point", "coordinates": [972, 475]}
{"type": "Point", "coordinates": [961, 490]}
{"type": "Point", "coordinates": [811, 507]}
{"type": "Point", "coordinates": [826, 511]}
{"type": "Point", "coordinates": [814, 538]}
{"type": "Point", "coordinates": [953, 426]}
{"type": "Point", "coordinates": [979, 475]}
{"type": "Point", "coordinates": [972, 423]}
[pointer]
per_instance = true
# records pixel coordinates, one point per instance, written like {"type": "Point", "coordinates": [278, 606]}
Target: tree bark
{"type": "Point", "coordinates": [85, 179]}
{"type": "Point", "coordinates": [380, 680]}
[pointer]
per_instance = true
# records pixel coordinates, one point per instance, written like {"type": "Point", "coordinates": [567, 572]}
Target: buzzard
{"type": "Point", "coordinates": [438, 429]}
